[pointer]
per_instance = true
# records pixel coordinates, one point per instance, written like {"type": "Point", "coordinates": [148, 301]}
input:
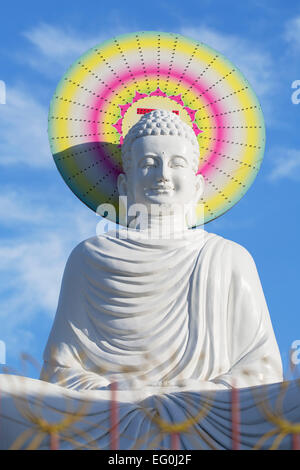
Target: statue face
{"type": "Point", "coordinates": [162, 172]}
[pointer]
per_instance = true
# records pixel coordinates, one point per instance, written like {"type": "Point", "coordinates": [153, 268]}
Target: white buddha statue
{"type": "Point", "coordinates": [157, 309]}
{"type": "Point", "coordinates": [184, 311]}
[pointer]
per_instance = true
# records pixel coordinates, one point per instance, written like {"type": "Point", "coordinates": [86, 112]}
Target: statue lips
{"type": "Point", "coordinates": [163, 189]}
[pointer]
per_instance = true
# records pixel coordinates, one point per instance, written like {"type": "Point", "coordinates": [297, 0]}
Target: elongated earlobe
{"type": "Point", "coordinates": [122, 184]}
{"type": "Point", "coordinates": [200, 184]}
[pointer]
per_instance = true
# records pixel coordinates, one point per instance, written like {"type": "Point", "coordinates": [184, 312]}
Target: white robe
{"type": "Point", "coordinates": [185, 314]}
{"type": "Point", "coordinates": [190, 316]}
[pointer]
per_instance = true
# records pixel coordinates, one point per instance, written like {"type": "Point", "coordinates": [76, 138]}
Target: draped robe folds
{"type": "Point", "coordinates": [175, 324]}
{"type": "Point", "coordinates": [178, 314]}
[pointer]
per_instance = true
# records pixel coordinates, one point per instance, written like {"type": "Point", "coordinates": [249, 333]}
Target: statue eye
{"type": "Point", "coordinates": [148, 162]}
{"type": "Point", "coordinates": [178, 162]}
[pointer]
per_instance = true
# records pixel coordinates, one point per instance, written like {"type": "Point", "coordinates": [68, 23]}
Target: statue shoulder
{"type": "Point", "coordinates": [231, 252]}
{"type": "Point", "coordinates": [241, 257]}
{"type": "Point", "coordinates": [83, 248]}
{"type": "Point", "coordinates": [242, 263]}
{"type": "Point", "coordinates": [93, 243]}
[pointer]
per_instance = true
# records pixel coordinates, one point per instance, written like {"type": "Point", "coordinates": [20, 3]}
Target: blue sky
{"type": "Point", "coordinates": [41, 220]}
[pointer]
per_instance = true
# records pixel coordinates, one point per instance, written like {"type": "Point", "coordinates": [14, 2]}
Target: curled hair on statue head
{"type": "Point", "coordinates": [159, 122]}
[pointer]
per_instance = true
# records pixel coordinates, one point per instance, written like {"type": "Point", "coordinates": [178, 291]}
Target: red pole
{"type": "Point", "coordinates": [54, 441]}
{"type": "Point", "coordinates": [295, 442]}
{"type": "Point", "coordinates": [114, 418]}
{"type": "Point", "coordinates": [235, 418]}
{"type": "Point", "coordinates": [175, 441]}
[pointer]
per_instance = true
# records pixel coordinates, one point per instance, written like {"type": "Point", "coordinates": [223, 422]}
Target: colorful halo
{"type": "Point", "coordinates": [107, 89]}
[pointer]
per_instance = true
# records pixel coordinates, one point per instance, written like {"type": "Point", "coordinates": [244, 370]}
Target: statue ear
{"type": "Point", "coordinates": [191, 213]}
{"type": "Point", "coordinates": [122, 184]}
{"type": "Point", "coordinates": [199, 186]}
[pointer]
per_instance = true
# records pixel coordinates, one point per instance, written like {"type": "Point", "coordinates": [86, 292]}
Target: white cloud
{"type": "Point", "coordinates": [25, 208]}
{"type": "Point", "coordinates": [32, 269]}
{"type": "Point", "coordinates": [55, 48]}
{"type": "Point", "coordinates": [16, 208]}
{"type": "Point", "coordinates": [23, 130]}
{"type": "Point", "coordinates": [286, 164]}
{"type": "Point", "coordinates": [23, 119]}
{"type": "Point", "coordinates": [292, 33]}
{"type": "Point", "coordinates": [33, 260]}
{"type": "Point", "coordinates": [57, 43]}
{"type": "Point", "coordinates": [30, 274]}
{"type": "Point", "coordinates": [254, 62]}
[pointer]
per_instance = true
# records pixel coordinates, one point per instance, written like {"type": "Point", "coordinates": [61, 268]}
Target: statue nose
{"type": "Point", "coordinates": [164, 173]}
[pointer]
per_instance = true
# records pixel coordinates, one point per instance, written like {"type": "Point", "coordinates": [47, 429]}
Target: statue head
{"type": "Point", "coordinates": [160, 159]}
